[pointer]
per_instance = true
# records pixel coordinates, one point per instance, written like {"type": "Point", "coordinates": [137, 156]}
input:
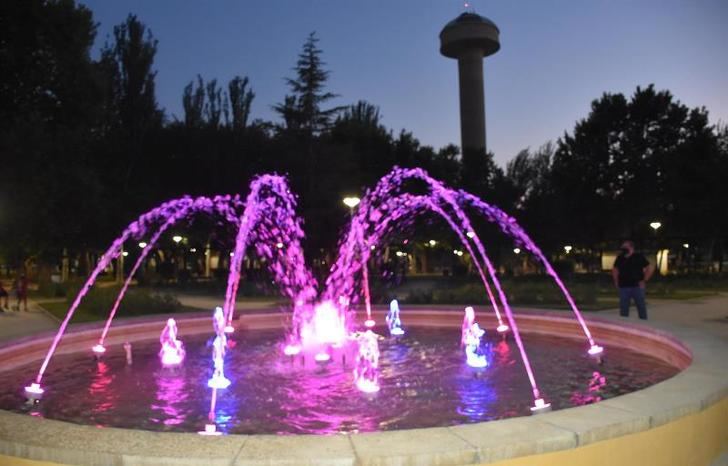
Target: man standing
{"type": "Point", "coordinates": [630, 273]}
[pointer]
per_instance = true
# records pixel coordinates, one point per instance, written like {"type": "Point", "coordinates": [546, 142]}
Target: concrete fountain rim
{"type": "Point", "coordinates": [699, 386]}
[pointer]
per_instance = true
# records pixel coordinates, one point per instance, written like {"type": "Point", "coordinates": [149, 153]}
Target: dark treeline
{"type": "Point", "coordinates": [86, 148]}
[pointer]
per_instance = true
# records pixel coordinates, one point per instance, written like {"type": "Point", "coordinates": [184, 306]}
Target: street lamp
{"type": "Point", "coordinates": [351, 202]}
{"type": "Point", "coordinates": [655, 226]}
{"type": "Point", "coordinates": [568, 249]}
{"type": "Point", "coordinates": [517, 250]}
{"type": "Point", "coordinates": [142, 244]}
{"type": "Point", "coordinates": [177, 238]}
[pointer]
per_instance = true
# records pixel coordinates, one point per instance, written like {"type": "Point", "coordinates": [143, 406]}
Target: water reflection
{"type": "Point", "coordinates": [99, 389]}
{"type": "Point", "coordinates": [594, 390]}
{"type": "Point", "coordinates": [171, 396]}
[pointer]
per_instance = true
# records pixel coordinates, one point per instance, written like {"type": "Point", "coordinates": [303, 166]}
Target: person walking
{"type": "Point", "coordinates": [3, 297]}
{"type": "Point", "coordinates": [631, 272]}
{"type": "Point", "coordinates": [21, 292]}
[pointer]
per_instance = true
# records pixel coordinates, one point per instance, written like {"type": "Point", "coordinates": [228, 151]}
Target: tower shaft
{"type": "Point", "coordinates": [472, 100]}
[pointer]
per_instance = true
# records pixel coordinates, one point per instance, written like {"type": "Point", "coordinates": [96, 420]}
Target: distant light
{"type": "Point", "coordinates": [455, 251]}
{"type": "Point", "coordinates": [686, 245]}
{"type": "Point", "coordinates": [655, 225]}
{"type": "Point", "coordinates": [373, 247]}
{"type": "Point", "coordinates": [193, 249]}
{"type": "Point", "coordinates": [433, 242]}
{"type": "Point", "coordinates": [517, 250]}
{"type": "Point", "coordinates": [279, 245]}
{"type": "Point", "coordinates": [405, 241]}
{"type": "Point", "coordinates": [351, 202]}
{"type": "Point", "coordinates": [232, 254]}
{"type": "Point", "coordinates": [470, 234]}
{"type": "Point", "coordinates": [568, 249]}
{"type": "Point", "coordinates": [460, 253]}
{"type": "Point", "coordinates": [125, 253]}
{"type": "Point", "coordinates": [176, 238]}
{"type": "Point", "coordinates": [142, 244]}
{"type": "Point", "coordinates": [400, 254]}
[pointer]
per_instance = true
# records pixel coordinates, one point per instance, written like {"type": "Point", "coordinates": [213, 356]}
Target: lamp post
{"type": "Point", "coordinates": [351, 202]}
{"type": "Point", "coordinates": [655, 225]}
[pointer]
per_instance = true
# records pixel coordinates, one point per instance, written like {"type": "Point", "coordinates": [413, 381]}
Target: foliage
{"type": "Point", "coordinates": [138, 301]}
{"type": "Point", "coordinates": [302, 110]}
{"type": "Point", "coordinates": [89, 149]}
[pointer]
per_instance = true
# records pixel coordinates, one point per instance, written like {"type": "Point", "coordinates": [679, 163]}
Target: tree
{"type": "Point", "coordinates": [130, 60]}
{"type": "Point", "coordinates": [193, 103]}
{"type": "Point", "coordinates": [633, 161]}
{"type": "Point", "coordinates": [215, 105]}
{"type": "Point", "coordinates": [241, 98]}
{"type": "Point", "coordinates": [50, 102]}
{"type": "Point", "coordinates": [302, 110]}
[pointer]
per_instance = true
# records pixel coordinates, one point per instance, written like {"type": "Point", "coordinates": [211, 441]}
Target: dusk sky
{"type": "Point", "coordinates": [555, 57]}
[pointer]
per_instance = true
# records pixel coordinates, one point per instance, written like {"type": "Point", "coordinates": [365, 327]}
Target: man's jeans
{"type": "Point", "coordinates": [629, 293]}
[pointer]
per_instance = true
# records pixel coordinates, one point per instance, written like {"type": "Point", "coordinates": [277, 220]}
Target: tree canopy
{"type": "Point", "coordinates": [87, 148]}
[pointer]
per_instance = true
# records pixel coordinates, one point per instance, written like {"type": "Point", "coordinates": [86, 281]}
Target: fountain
{"type": "Point", "coordinates": [366, 372]}
{"type": "Point", "coordinates": [393, 322]}
{"type": "Point", "coordinates": [322, 326]}
{"type": "Point", "coordinates": [470, 340]}
{"type": "Point", "coordinates": [172, 352]}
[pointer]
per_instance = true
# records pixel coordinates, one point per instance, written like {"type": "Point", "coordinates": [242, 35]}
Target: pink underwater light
{"type": "Point", "coordinates": [291, 350]}
{"type": "Point", "coordinates": [210, 429]}
{"type": "Point", "coordinates": [540, 406]}
{"type": "Point", "coordinates": [595, 350]}
{"type": "Point", "coordinates": [34, 391]}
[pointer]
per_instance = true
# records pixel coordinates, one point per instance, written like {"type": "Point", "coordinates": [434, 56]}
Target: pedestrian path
{"type": "Point", "coordinates": [16, 324]}
{"type": "Point", "coordinates": [709, 314]}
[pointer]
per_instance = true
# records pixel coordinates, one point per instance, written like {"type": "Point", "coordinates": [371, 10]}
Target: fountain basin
{"type": "Point", "coordinates": [696, 396]}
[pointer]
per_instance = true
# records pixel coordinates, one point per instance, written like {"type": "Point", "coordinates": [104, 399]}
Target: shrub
{"type": "Point", "coordinates": [137, 301]}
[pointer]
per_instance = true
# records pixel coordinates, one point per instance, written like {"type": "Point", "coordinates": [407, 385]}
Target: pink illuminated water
{"type": "Point", "coordinates": [422, 377]}
{"type": "Point", "coordinates": [172, 351]}
{"type": "Point", "coordinates": [322, 322]}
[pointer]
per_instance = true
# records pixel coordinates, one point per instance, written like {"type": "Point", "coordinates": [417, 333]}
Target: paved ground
{"type": "Point", "coordinates": [709, 314]}
{"type": "Point", "coordinates": [14, 324]}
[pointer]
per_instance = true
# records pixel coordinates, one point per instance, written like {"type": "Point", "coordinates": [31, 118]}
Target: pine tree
{"type": "Point", "coordinates": [302, 110]}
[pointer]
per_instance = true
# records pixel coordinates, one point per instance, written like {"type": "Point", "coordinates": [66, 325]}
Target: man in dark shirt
{"type": "Point", "coordinates": [630, 273]}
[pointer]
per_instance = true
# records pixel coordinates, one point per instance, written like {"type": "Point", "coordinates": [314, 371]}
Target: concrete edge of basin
{"type": "Point", "coordinates": [701, 384]}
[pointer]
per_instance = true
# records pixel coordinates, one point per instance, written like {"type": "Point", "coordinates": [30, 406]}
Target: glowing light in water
{"type": "Point", "coordinates": [366, 371]}
{"type": "Point", "coordinates": [34, 391]}
{"type": "Point", "coordinates": [172, 352]}
{"type": "Point", "coordinates": [470, 339]}
{"type": "Point", "coordinates": [595, 350]}
{"type": "Point", "coordinates": [326, 328]}
{"type": "Point", "coordinates": [393, 322]}
{"type": "Point", "coordinates": [99, 349]}
{"type": "Point", "coordinates": [540, 406]}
